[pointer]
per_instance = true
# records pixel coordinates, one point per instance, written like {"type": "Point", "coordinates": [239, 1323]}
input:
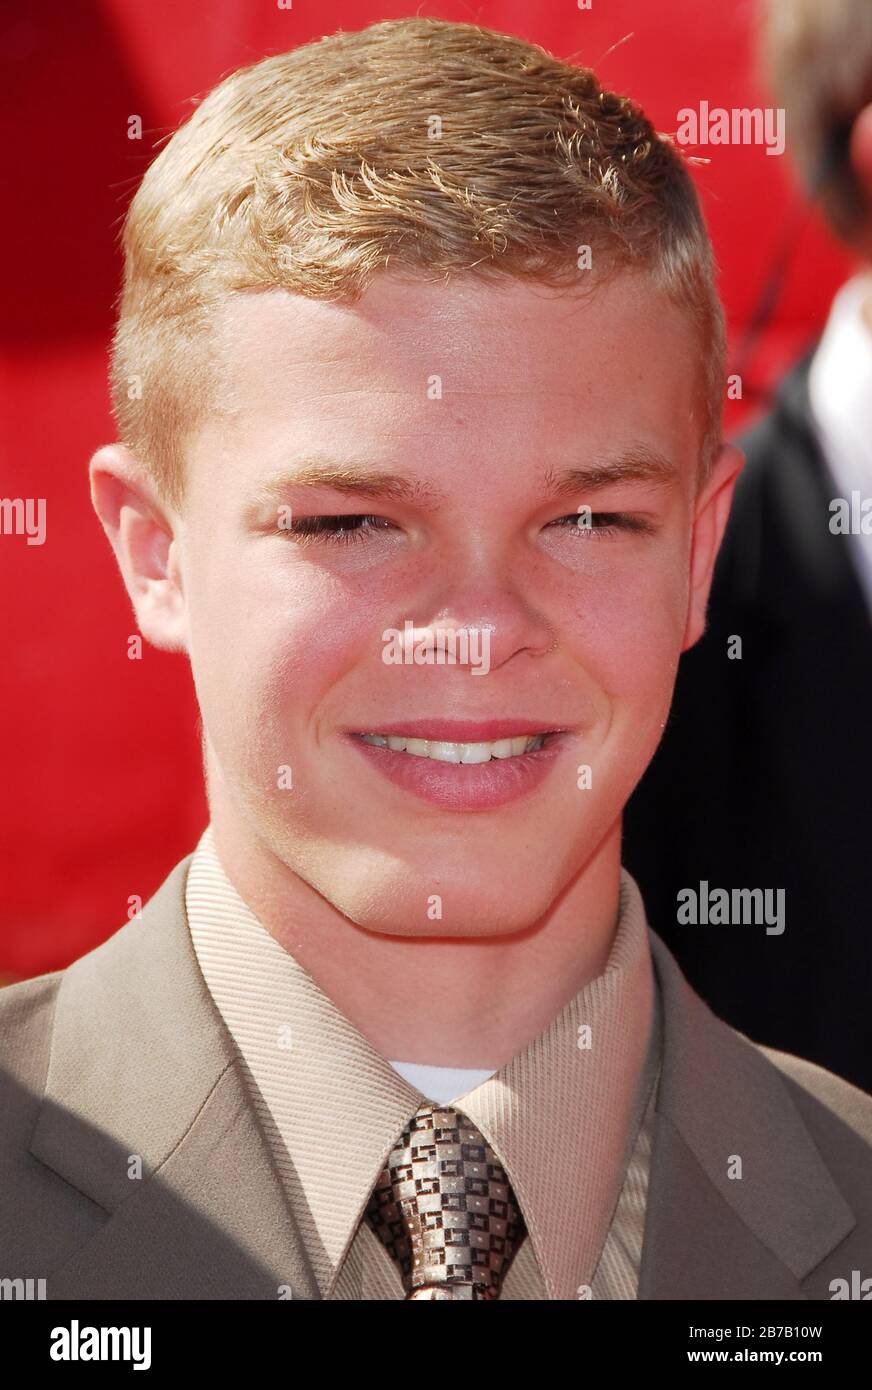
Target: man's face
{"type": "Point", "coordinates": [577, 604]}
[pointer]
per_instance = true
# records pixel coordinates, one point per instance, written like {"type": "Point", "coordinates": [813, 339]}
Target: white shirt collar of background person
{"type": "Point", "coordinates": [840, 390]}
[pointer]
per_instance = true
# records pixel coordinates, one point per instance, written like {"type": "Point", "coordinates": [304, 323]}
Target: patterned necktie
{"type": "Point", "coordinates": [445, 1209]}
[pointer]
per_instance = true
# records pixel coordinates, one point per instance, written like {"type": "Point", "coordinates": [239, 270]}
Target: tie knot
{"type": "Point", "coordinates": [444, 1208]}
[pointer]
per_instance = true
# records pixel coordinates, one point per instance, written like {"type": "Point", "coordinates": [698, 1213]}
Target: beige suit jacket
{"type": "Point", "coordinates": [121, 1064]}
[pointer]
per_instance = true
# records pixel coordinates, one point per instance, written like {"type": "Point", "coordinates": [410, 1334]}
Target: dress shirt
{"type": "Point", "coordinates": [572, 1125]}
{"type": "Point", "coordinates": [840, 391]}
{"type": "Point", "coordinates": [442, 1083]}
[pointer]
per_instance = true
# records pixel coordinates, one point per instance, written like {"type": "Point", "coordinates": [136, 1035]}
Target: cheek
{"type": "Point", "coordinates": [269, 637]}
{"type": "Point", "coordinates": [627, 629]}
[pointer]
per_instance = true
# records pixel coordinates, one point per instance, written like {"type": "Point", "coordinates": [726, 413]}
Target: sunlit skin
{"type": "Point", "coordinates": [284, 635]}
{"type": "Point", "coordinates": [860, 154]}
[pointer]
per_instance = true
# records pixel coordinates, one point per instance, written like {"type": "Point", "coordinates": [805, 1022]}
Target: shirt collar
{"type": "Point", "coordinates": [561, 1115]}
{"type": "Point", "coordinates": [840, 388]}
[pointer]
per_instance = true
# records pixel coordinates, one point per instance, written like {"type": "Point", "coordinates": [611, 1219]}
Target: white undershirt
{"type": "Point", "coordinates": [442, 1084]}
{"type": "Point", "coordinates": [840, 391]}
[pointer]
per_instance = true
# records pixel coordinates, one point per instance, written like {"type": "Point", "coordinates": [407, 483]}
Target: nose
{"type": "Point", "coordinates": [487, 605]}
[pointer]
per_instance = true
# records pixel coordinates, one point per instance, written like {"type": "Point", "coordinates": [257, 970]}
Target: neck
{"type": "Point", "coordinates": [454, 1002]}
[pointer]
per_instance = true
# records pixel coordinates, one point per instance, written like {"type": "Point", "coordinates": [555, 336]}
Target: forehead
{"type": "Point", "coordinates": [458, 364]}
{"type": "Point", "coordinates": [499, 329]}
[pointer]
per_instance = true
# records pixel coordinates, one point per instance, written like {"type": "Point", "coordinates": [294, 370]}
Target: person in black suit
{"type": "Point", "coordinates": [764, 776]}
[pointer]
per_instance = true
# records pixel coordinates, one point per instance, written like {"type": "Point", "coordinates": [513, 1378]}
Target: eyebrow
{"type": "Point", "coordinates": [638, 463]}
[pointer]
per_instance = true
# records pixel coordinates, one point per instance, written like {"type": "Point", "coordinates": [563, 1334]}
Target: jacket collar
{"type": "Point", "coordinates": [209, 1219]}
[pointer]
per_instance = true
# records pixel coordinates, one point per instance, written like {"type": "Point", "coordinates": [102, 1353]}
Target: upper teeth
{"type": "Point", "coordinates": [444, 752]}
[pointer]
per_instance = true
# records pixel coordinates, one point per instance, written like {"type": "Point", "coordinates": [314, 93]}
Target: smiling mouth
{"type": "Point", "coordinates": [447, 751]}
{"type": "Point", "coordinates": [464, 765]}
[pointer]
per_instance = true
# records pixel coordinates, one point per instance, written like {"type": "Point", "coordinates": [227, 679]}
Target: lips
{"type": "Point", "coordinates": [462, 786]}
{"type": "Point", "coordinates": [461, 730]}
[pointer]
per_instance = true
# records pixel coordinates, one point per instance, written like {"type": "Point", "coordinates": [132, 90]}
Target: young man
{"type": "Point", "coordinates": [418, 374]}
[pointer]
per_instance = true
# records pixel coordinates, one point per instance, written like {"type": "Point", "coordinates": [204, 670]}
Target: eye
{"type": "Point", "coordinates": [336, 530]}
{"type": "Point", "coordinates": [602, 523]}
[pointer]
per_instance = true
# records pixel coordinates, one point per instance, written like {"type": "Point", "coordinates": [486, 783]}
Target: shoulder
{"type": "Point", "coordinates": [820, 1094]}
{"type": "Point", "coordinates": [783, 460]}
{"type": "Point", "coordinates": [788, 425]}
{"type": "Point", "coordinates": [779, 502]}
{"type": "Point", "coordinates": [26, 1010]}
{"type": "Point", "coordinates": [837, 1117]}
{"type": "Point", "coordinates": [26, 1015]}
{"type": "Point", "coordinates": [724, 1083]}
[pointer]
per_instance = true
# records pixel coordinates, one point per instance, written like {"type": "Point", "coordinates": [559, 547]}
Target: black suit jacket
{"type": "Point", "coordinates": [764, 775]}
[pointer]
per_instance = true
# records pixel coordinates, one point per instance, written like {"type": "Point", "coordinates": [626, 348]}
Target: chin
{"type": "Point", "coordinates": [474, 927]}
{"type": "Point", "coordinates": [479, 906]}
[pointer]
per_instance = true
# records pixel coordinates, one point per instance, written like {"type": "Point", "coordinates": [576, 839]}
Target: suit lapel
{"type": "Point", "coordinates": [709, 1235]}
{"type": "Point", "coordinates": [143, 1072]}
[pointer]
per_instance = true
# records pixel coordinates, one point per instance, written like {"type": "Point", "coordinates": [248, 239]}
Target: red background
{"type": "Point", "coordinates": [101, 773]}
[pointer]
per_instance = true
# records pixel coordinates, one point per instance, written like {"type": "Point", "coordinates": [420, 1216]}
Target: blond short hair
{"type": "Point", "coordinates": [817, 57]}
{"type": "Point", "coordinates": [436, 147]}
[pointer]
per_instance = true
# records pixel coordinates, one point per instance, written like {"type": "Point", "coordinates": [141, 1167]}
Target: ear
{"type": "Point", "coordinates": [710, 519]}
{"type": "Point", "coordinates": [144, 534]}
